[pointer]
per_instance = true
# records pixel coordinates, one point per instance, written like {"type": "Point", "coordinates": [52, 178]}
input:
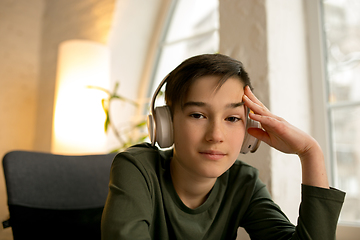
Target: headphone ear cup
{"type": "Point", "coordinates": [151, 128]}
{"type": "Point", "coordinates": [250, 143]}
{"type": "Point", "coordinates": [163, 127]}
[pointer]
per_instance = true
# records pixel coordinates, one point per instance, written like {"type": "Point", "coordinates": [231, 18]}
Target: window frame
{"type": "Point", "coordinates": [319, 92]}
{"type": "Point", "coordinates": [160, 46]}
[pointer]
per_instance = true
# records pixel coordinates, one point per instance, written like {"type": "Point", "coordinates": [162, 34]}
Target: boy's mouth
{"type": "Point", "coordinates": [212, 154]}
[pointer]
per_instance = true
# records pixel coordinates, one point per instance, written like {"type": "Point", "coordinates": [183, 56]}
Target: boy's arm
{"type": "Point", "coordinates": [127, 212]}
{"type": "Point", "coordinates": [313, 167]}
{"type": "Point", "coordinates": [318, 214]}
{"type": "Point", "coordinates": [320, 206]}
{"type": "Point", "coordinates": [286, 138]}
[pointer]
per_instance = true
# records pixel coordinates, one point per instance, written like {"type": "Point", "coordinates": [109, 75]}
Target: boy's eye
{"type": "Point", "coordinates": [197, 115]}
{"type": "Point", "coordinates": [233, 119]}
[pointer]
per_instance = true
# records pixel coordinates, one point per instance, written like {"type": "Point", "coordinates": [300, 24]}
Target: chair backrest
{"type": "Point", "coordinates": [56, 196]}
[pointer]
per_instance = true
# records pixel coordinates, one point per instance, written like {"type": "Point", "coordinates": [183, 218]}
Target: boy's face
{"type": "Point", "coordinates": [209, 129]}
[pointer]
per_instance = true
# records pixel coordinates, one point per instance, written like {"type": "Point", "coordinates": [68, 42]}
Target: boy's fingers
{"type": "Point", "coordinates": [256, 107]}
{"type": "Point", "coordinates": [253, 98]}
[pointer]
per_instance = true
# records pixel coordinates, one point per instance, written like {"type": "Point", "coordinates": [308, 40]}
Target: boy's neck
{"type": "Point", "coordinates": [192, 191]}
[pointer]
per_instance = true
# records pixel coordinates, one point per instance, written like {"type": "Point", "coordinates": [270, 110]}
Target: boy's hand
{"type": "Point", "coordinates": [276, 132]}
{"type": "Point", "coordinates": [286, 138]}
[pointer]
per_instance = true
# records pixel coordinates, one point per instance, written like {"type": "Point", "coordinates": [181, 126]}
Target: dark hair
{"type": "Point", "coordinates": [181, 78]}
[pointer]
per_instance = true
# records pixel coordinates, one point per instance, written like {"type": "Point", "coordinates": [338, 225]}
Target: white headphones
{"type": "Point", "coordinates": [160, 126]}
{"type": "Point", "coordinates": [250, 143]}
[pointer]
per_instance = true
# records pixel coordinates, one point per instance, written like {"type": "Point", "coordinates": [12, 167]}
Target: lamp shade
{"type": "Point", "coordinates": [78, 122]}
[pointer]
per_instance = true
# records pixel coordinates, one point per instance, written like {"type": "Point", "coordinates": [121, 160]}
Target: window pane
{"type": "Point", "coordinates": [346, 135]}
{"type": "Point", "coordinates": [342, 34]}
{"type": "Point", "coordinates": [342, 27]}
{"type": "Point", "coordinates": [193, 17]}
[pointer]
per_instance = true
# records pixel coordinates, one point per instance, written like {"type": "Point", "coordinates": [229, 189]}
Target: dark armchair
{"type": "Point", "coordinates": [56, 196]}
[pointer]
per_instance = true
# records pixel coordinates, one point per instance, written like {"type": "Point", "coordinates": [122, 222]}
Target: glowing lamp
{"type": "Point", "coordinates": [78, 123]}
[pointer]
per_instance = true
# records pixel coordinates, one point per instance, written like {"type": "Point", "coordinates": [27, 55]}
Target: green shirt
{"type": "Point", "coordinates": [143, 204]}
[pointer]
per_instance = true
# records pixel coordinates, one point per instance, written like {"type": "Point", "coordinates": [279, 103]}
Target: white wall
{"type": "Point", "coordinates": [289, 93]}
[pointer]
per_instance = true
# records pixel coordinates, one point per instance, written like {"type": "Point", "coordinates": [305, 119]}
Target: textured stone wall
{"type": "Point", "coordinates": [269, 37]}
{"type": "Point", "coordinates": [243, 36]}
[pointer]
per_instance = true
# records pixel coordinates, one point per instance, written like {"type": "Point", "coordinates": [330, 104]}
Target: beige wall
{"type": "Point", "coordinates": [30, 34]}
{"type": "Point", "coordinates": [20, 31]}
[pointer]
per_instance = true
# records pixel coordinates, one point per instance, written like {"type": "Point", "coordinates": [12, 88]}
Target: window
{"type": "Point", "coordinates": [342, 41]}
{"type": "Point", "coordinates": [192, 29]}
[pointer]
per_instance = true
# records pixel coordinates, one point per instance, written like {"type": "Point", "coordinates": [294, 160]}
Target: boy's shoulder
{"type": "Point", "coordinates": [144, 155]}
{"type": "Point", "coordinates": [244, 166]}
{"type": "Point", "coordinates": [242, 170]}
{"type": "Point", "coordinates": [147, 149]}
{"type": "Point", "coordinates": [140, 148]}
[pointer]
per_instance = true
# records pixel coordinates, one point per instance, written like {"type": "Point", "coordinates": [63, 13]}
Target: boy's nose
{"type": "Point", "coordinates": [215, 133]}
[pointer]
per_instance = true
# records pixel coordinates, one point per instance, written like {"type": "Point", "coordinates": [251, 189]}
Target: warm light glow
{"type": "Point", "coordinates": [78, 126]}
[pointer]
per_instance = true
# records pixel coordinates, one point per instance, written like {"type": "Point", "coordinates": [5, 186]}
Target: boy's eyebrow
{"type": "Point", "coordinates": [202, 104]}
{"type": "Point", "coordinates": [235, 105]}
{"type": "Point", "coordinates": [192, 103]}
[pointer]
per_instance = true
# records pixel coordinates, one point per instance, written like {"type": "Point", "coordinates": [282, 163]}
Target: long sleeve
{"type": "Point", "coordinates": [318, 215]}
{"type": "Point", "coordinates": [128, 209]}
{"type": "Point", "coordinates": [319, 212]}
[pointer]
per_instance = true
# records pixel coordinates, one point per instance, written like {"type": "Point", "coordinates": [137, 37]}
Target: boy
{"type": "Point", "coordinates": [198, 190]}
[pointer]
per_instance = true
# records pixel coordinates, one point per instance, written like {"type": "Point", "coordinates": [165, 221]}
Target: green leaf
{"type": "Point", "coordinates": [107, 122]}
{"type": "Point", "coordinates": [124, 99]}
{"type": "Point", "coordinates": [103, 101]}
{"type": "Point", "coordinates": [141, 124]}
{"type": "Point", "coordinates": [100, 88]}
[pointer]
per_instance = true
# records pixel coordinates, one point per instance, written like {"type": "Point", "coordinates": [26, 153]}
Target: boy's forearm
{"type": "Point", "coordinates": [313, 167]}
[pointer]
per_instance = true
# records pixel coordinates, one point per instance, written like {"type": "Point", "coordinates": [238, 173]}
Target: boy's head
{"type": "Point", "coordinates": [182, 77]}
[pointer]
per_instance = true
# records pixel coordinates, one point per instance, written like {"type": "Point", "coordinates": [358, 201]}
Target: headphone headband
{"type": "Point", "coordinates": [152, 103]}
